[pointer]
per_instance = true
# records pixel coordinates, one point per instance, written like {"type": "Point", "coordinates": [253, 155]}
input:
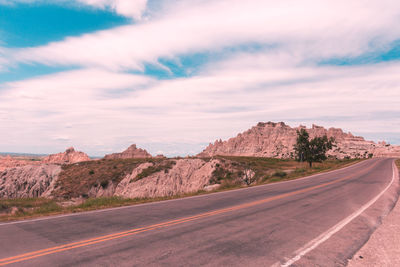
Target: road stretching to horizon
{"type": "Point", "coordinates": [320, 221]}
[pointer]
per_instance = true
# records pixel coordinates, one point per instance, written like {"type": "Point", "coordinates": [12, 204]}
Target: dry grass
{"type": "Point", "coordinates": [27, 207]}
{"type": "Point", "coordinates": [268, 170]}
{"type": "Point", "coordinates": [164, 165]}
{"type": "Point", "coordinates": [75, 180]}
{"type": "Point", "coordinates": [398, 163]}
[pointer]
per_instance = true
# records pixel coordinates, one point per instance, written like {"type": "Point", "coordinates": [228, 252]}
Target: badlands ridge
{"type": "Point", "coordinates": [135, 173]}
{"type": "Point", "coordinates": [276, 140]}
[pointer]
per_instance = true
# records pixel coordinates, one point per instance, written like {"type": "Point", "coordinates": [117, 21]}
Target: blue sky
{"type": "Point", "coordinates": [27, 25]}
{"type": "Point", "coordinates": [173, 76]}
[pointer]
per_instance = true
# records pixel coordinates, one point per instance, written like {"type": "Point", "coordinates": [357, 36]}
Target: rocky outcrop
{"type": "Point", "coordinates": [28, 181]}
{"type": "Point", "coordinates": [167, 178]}
{"type": "Point", "coordinates": [387, 150]}
{"type": "Point", "coordinates": [130, 153]}
{"type": "Point", "coordinates": [11, 162]}
{"type": "Point", "coordinates": [110, 189]}
{"type": "Point", "coordinates": [99, 191]}
{"type": "Point", "coordinates": [186, 176]}
{"type": "Point", "coordinates": [276, 140]}
{"type": "Point", "coordinates": [68, 157]}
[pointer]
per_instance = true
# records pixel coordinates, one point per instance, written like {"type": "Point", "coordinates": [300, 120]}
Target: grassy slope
{"type": "Point", "coordinates": [268, 170]}
{"type": "Point", "coordinates": [77, 178]}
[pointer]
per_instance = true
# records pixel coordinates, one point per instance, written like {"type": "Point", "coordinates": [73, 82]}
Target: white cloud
{"type": "Point", "coordinates": [98, 109]}
{"type": "Point", "coordinates": [3, 62]}
{"type": "Point", "coordinates": [310, 29]}
{"type": "Point", "coordinates": [128, 8]}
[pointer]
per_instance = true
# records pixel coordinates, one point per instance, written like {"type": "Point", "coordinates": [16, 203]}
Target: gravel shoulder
{"type": "Point", "coordinates": [382, 249]}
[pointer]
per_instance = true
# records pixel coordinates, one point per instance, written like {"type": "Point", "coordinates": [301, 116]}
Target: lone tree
{"type": "Point", "coordinates": [313, 150]}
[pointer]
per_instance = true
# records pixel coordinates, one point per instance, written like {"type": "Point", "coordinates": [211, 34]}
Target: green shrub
{"type": "Point", "coordinates": [160, 166]}
{"type": "Point", "coordinates": [300, 170]}
{"type": "Point", "coordinates": [104, 183]}
{"type": "Point", "coordinates": [280, 174]}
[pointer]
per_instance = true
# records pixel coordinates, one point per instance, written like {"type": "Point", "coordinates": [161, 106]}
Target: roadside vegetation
{"type": "Point", "coordinates": [235, 172]}
{"type": "Point", "coordinates": [75, 180]}
{"type": "Point", "coordinates": [398, 163]}
{"type": "Point", "coordinates": [311, 150]}
{"type": "Point", "coordinates": [232, 173]}
{"type": "Point", "coordinates": [164, 165]}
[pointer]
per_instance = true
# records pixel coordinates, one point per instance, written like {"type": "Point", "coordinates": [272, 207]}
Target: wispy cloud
{"type": "Point", "coordinates": [310, 29]}
{"type": "Point", "coordinates": [129, 8]}
{"type": "Point", "coordinates": [3, 61]}
{"type": "Point", "coordinates": [178, 111]}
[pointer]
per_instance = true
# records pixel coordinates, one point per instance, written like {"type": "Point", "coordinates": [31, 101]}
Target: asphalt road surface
{"type": "Point", "coordinates": [317, 221]}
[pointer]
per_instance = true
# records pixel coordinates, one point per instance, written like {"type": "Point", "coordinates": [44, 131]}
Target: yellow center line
{"type": "Point", "coordinates": [52, 250]}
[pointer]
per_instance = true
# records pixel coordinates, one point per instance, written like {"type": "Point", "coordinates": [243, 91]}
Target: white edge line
{"type": "Point", "coordinates": [177, 199]}
{"type": "Point", "coordinates": [326, 235]}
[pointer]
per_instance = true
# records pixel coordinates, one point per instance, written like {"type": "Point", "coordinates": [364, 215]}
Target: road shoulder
{"type": "Point", "coordinates": [382, 249]}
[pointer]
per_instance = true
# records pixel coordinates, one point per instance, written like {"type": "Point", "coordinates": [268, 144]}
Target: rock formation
{"type": "Point", "coordinates": [181, 177]}
{"type": "Point", "coordinates": [186, 176]}
{"type": "Point", "coordinates": [28, 181]}
{"type": "Point", "coordinates": [168, 177]}
{"type": "Point", "coordinates": [68, 157]}
{"type": "Point", "coordinates": [130, 153]}
{"type": "Point", "coordinates": [12, 162]}
{"type": "Point", "coordinates": [277, 140]}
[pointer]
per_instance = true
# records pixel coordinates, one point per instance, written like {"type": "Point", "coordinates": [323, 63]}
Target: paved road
{"type": "Point", "coordinates": [258, 226]}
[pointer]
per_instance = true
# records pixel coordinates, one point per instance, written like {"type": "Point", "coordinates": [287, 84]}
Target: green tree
{"type": "Point", "coordinates": [313, 150]}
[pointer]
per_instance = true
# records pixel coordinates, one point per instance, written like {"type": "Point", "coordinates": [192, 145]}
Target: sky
{"type": "Point", "coordinates": [174, 75]}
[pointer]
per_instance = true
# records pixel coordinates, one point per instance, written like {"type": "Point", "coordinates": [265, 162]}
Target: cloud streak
{"type": "Point", "coordinates": [311, 29]}
{"type": "Point", "coordinates": [238, 92]}
{"type": "Point", "coordinates": [128, 8]}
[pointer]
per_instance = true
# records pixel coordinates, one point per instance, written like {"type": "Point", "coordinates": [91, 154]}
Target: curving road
{"type": "Point", "coordinates": [321, 220]}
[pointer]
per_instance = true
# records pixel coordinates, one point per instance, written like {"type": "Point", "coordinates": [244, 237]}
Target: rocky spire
{"type": "Point", "coordinates": [131, 152]}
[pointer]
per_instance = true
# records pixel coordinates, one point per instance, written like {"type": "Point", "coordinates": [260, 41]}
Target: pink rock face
{"type": "Point", "coordinates": [186, 176]}
{"type": "Point", "coordinates": [8, 162]}
{"type": "Point", "coordinates": [28, 181]}
{"type": "Point", "coordinates": [130, 153]}
{"type": "Point", "coordinates": [68, 157]}
{"type": "Point", "coordinates": [276, 140]}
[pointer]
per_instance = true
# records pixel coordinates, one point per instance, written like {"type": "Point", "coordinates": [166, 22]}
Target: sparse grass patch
{"type": "Point", "coordinates": [75, 180]}
{"type": "Point", "coordinates": [280, 174]}
{"type": "Point", "coordinates": [268, 170]}
{"type": "Point", "coordinates": [101, 202]}
{"type": "Point", "coordinates": [23, 207]}
{"type": "Point", "coordinates": [164, 165]}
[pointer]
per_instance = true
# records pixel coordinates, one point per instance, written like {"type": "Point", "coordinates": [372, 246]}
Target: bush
{"type": "Point", "coordinates": [300, 170]}
{"type": "Point", "coordinates": [104, 184]}
{"type": "Point", "coordinates": [161, 166]}
{"type": "Point", "coordinates": [280, 174]}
